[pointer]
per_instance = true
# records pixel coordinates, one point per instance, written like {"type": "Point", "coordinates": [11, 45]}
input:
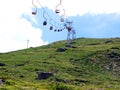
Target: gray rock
{"type": "Point", "coordinates": [1, 81]}
{"type": "Point", "coordinates": [43, 75]}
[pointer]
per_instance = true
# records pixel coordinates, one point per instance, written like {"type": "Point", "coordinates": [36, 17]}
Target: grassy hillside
{"type": "Point", "coordinates": [89, 64]}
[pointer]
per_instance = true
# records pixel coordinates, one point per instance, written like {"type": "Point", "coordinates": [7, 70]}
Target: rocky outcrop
{"type": "Point", "coordinates": [1, 81]}
{"type": "Point", "coordinates": [44, 75]}
{"type": "Point", "coordinates": [2, 64]}
{"type": "Point", "coordinates": [61, 50]}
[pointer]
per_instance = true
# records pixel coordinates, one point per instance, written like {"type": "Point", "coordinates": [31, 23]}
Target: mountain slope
{"type": "Point", "coordinates": [89, 64]}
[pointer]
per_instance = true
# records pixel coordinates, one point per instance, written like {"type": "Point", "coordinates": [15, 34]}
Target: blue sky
{"type": "Point", "coordinates": [104, 25]}
{"type": "Point", "coordinates": [91, 18]}
{"type": "Point", "coordinates": [97, 26]}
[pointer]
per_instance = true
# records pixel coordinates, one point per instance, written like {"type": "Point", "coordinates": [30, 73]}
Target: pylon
{"type": "Point", "coordinates": [71, 32]}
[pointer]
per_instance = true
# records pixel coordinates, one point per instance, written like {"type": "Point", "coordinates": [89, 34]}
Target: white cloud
{"type": "Point", "coordinates": [74, 7]}
{"type": "Point", "coordinates": [93, 6]}
{"type": "Point", "coordinates": [14, 30]}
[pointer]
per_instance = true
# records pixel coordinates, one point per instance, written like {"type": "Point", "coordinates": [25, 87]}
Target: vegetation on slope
{"type": "Point", "coordinates": [89, 64]}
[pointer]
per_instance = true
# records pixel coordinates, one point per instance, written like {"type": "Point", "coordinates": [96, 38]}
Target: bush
{"type": "Point", "coordinates": [60, 86]}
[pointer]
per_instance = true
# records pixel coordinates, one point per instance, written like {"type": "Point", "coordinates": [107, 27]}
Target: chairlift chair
{"type": "Point", "coordinates": [55, 30]}
{"type": "Point", "coordinates": [34, 12]}
{"type": "Point", "coordinates": [45, 23]}
{"type": "Point", "coordinates": [51, 27]}
{"type": "Point", "coordinates": [57, 11]}
{"type": "Point", "coordinates": [62, 19]}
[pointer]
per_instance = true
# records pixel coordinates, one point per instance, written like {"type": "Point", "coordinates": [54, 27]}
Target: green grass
{"type": "Point", "coordinates": [85, 67]}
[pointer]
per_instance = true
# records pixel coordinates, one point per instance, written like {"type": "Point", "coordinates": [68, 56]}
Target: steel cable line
{"type": "Point", "coordinates": [45, 12]}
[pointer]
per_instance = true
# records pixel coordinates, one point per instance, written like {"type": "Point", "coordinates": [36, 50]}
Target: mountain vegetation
{"type": "Point", "coordinates": [87, 64]}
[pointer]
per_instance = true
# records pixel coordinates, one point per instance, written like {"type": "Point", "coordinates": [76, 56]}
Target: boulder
{"type": "Point", "coordinates": [2, 64]}
{"type": "Point", "coordinates": [61, 50]}
{"type": "Point", "coordinates": [108, 41]}
{"type": "Point", "coordinates": [44, 75]}
{"type": "Point", "coordinates": [113, 55]}
{"type": "Point", "coordinates": [1, 81]}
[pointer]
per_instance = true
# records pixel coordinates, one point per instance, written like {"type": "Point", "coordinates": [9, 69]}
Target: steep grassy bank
{"type": "Point", "coordinates": [89, 64]}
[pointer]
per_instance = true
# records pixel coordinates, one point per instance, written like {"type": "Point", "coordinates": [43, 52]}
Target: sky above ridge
{"type": "Point", "coordinates": [94, 18]}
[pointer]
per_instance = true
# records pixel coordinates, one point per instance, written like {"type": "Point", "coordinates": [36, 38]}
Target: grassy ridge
{"type": "Point", "coordinates": [90, 64]}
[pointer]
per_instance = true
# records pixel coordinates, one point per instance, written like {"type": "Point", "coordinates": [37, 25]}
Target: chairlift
{"type": "Point", "coordinates": [34, 12]}
{"type": "Point", "coordinates": [55, 30]}
{"type": "Point", "coordinates": [51, 27]}
{"type": "Point", "coordinates": [56, 9]}
{"type": "Point", "coordinates": [58, 30]}
{"type": "Point", "coordinates": [62, 17]}
{"type": "Point", "coordinates": [45, 21]}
